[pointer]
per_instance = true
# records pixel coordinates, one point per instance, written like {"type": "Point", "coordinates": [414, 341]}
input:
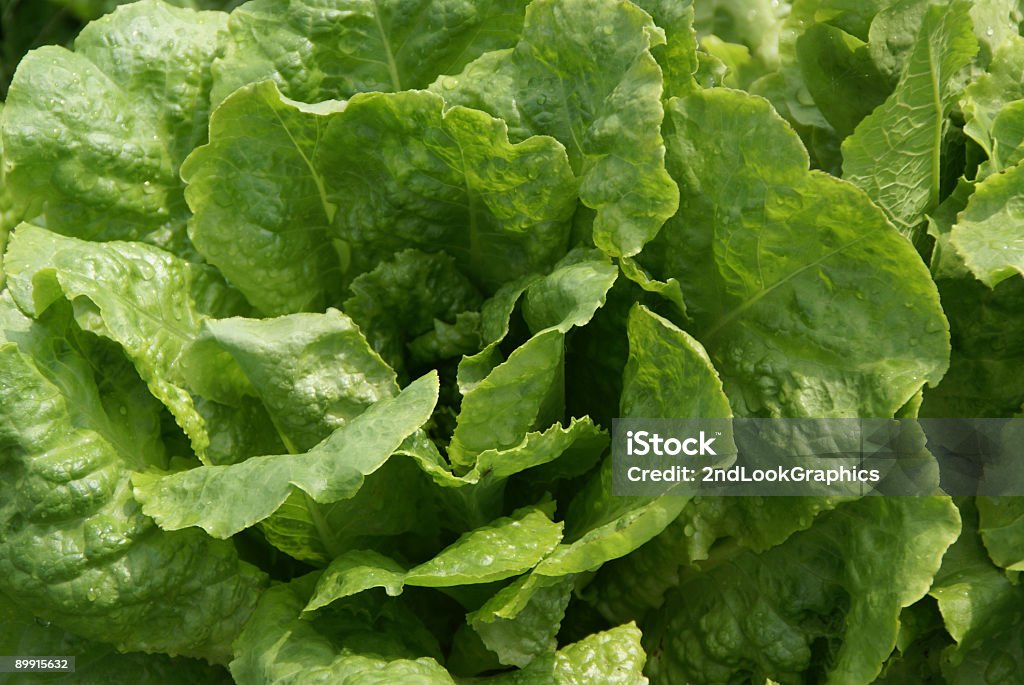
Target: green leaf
{"type": "Point", "coordinates": [579, 445]}
{"type": "Point", "coordinates": [519, 396]}
{"type": "Point", "coordinates": [372, 518]}
{"type": "Point", "coordinates": [362, 640]}
{"type": "Point", "coordinates": [261, 214]}
{"type": "Point", "coordinates": [96, 663]}
{"type": "Point", "coordinates": [504, 548]}
{"type": "Point", "coordinates": [763, 615]}
{"type": "Point", "coordinates": [783, 271]}
{"type": "Point", "coordinates": [96, 136]}
{"type": "Point", "coordinates": [1001, 524]}
{"type": "Point", "coordinates": [389, 45]}
{"type": "Point", "coordinates": [219, 499]}
{"type": "Point", "coordinates": [543, 457]}
{"type": "Point", "coordinates": [313, 372]}
{"type": "Point", "coordinates": [614, 657]}
{"type": "Point", "coordinates": [986, 100]}
{"type": "Point", "coordinates": [988, 232]}
{"type": "Point", "coordinates": [840, 76]}
{"type": "Point", "coordinates": [503, 401]}
{"type": "Point", "coordinates": [668, 375]}
{"type": "Point", "coordinates": [609, 122]}
{"type": "Point", "coordinates": [894, 152]}
{"type": "Point", "coordinates": [570, 295]}
{"type": "Point", "coordinates": [677, 57]}
{"type": "Point", "coordinates": [981, 610]}
{"type": "Point", "coordinates": [601, 526]}
{"type": "Point", "coordinates": [146, 300]}
{"type": "Point", "coordinates": [519, 634]}
{"type": "Point", "coordinates": [852, 16]}
{"type": "Point", "coordinates": [669, 289]}
{"type": "Point", "coordinates": [615, 654]}
{"type": "Point", "coordinates": [74, 421]}
{"type": "Point", "coordinates": [986, 369]}
{"type": "Point", "coordinates": [501, 210]}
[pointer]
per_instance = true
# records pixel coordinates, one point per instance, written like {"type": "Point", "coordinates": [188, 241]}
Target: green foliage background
{"type": "Point", "coordinates": [315, 314]}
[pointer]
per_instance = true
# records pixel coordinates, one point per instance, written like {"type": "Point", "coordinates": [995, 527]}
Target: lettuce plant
{"type": "Point", "coordinates": [315, 316]}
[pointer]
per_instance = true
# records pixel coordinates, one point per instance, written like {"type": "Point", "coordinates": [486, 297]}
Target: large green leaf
{"type": "Point", "coordinates": [220, 499]}
{"type": "Point", "coordinates": [146, 300]}
{"type": "Point", "coordinates": [96, 136]}
{"type": "Point", "coordinates": [261, 214]}
{"type": "Point", "coordinates": [668, 375]}
{"type": "Point", "coordinates": [385, 173]}
{"type": "Point", "coordinates": [785, 270]}
{"type": "Point", "coordinates": [609, 120]}
{"type": "Point", "coordinates": [894, 154]}
{"type": "Point", "coordinates": [313, 372]}
{"type": "Point", "coordinates": [317, 50]}
{"type": "Point", "coordinates": [77, 550]}
{"type": "Point", "coordinates": [759, 616]}
{"type": "Point", "coordinates": [989, 233]}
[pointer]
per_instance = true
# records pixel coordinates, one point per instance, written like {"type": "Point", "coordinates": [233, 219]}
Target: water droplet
{"type": "Point", "coordinates": [990, 31]}
{"type": "Point", "coordinates": [91, 594]}
{"type": "Point", "coordinates": [123, 411]}
{"type": "Point", "coordinates": [486, 560]}
{"type": "Point", "coordinates": [145, 270]}
{"type": "Point", "coordinates": [449, 82]}
{"type": "Point", "coordinates": [541, 100]}
{"type": "Point", "coordinates": [689, 530]}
